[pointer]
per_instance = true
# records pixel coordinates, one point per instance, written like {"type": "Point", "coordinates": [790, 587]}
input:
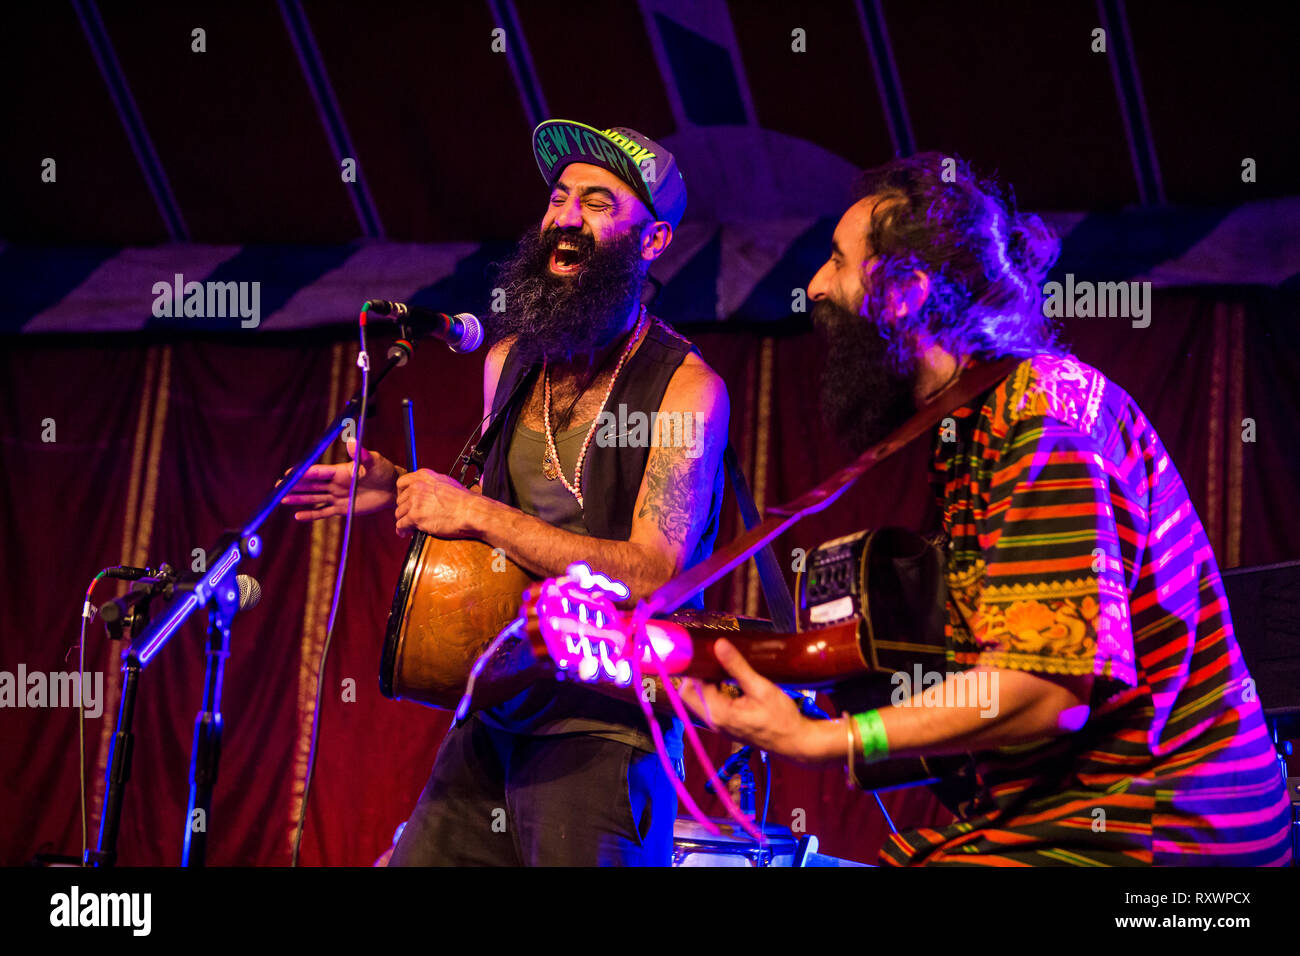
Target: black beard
{"type": "Point", "coordinates": [868, 390]}
{"type": "Point", "coordinates": [560, 317]}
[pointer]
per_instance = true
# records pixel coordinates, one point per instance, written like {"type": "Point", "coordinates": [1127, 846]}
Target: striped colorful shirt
{"type": "Point", "coordinates": [1074, 549]}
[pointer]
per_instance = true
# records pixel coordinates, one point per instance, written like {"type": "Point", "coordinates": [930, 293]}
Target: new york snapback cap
{"type": "Point", "coordinates": [648, 168]}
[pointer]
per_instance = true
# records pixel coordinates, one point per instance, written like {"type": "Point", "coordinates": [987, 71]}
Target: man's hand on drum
{"type": "Point", "coordinates": [323, 489]}
{"type": "Point", "coordinates": [764, 715]}
{"type": "Point", "coordinates": [436, 504]}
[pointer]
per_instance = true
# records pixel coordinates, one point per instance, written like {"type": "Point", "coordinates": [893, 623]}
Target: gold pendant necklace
{"type": "Point", "coordinates": [549, 468]}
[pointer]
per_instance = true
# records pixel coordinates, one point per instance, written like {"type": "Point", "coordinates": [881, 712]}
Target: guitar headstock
{"type": "Point", "coordinates": [589, 638]}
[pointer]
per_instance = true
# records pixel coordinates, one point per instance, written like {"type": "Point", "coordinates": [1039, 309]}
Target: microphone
{"type": "Point", "coordinates": [462, 332]}
{"type": "Point", "coordinates": [113, 612]}
{"type": "Point", "coordinates": [123, 573]}
{"type": "Point", "coordinates": [250, 591]}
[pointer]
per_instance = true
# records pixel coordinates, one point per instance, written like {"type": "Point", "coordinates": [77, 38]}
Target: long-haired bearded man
{"type": "Point", "coordinates": [1080, 583]}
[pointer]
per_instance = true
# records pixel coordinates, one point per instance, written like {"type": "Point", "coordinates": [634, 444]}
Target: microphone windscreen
{"type": "Point", "coordinates": [472, 337]}
{"type": "Point", "coordinates": [250, 592]}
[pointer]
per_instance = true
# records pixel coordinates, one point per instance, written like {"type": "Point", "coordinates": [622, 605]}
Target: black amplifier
{"type": "Point", "coordinates": [1265, 604]}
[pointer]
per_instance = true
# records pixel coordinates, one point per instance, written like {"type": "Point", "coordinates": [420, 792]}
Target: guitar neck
{"type": "Point", "coordinates": [802, 660]}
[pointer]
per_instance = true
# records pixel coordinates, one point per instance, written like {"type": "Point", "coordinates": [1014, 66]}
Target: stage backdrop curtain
{"type": "Point", "coordinates": [160, 444]}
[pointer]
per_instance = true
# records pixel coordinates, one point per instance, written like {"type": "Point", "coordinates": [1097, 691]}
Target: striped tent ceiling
{"type": "Point", "coordinates": [769, 107]}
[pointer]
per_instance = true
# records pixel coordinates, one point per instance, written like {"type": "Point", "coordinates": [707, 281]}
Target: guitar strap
{"type": "Point", "coordinates": [969, 385]}
{"type": "Point", "coordinates": [776, 592]}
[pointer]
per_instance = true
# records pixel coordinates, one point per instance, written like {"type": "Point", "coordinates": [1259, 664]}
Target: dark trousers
{"type": "Point", "coordinates": [502, 799]}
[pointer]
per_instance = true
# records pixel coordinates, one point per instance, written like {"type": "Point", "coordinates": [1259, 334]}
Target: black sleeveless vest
{"type": "Point", "coordinates": [611, 476]}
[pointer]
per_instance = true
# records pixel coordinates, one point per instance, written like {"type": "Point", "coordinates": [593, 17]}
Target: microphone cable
{"type": "Point", "coordinates": [363, 362]}
{"type": "Point", "coordinates": [87, 612]}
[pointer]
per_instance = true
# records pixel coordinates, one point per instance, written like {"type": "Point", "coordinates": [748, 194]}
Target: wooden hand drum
{"type": "Point", "coordinates": [452, 599]}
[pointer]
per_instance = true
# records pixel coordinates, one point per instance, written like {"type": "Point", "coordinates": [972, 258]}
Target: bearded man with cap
{"type": "Point", "coordinates": [561, 775]}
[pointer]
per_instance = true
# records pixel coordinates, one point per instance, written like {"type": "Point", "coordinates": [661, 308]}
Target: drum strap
{"type": "Point", "coordinates": [477, 455]}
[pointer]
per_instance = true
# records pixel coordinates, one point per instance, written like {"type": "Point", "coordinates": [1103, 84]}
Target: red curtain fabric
{"type": "Point", "coordinates": [159, 446]}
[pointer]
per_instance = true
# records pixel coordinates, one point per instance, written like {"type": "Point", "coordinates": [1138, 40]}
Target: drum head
{"type": "Point", "coordinates": [693, 845]}
{"type": "Point", "coordinates": [393, 630]}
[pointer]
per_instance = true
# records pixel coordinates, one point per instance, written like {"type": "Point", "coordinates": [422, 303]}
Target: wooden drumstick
{"type": "Point", "coordinates": [409, 407]}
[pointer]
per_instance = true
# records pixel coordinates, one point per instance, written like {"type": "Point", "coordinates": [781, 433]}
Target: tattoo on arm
{"type": "Point", "coordinates": [670, 498]}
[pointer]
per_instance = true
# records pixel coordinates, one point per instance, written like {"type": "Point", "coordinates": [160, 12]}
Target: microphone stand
{"type": "Point", "coordinates": [205, 753]}
{"type": "Point", "coordinates": [218, 591]}
{"type": "Point", "coordinates": [738, 763]}
{"type": "Point", "coordinates": [119, 758]}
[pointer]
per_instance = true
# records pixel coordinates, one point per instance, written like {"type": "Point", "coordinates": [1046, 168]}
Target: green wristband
{"type": "Point", "coordinates": [871, 732]}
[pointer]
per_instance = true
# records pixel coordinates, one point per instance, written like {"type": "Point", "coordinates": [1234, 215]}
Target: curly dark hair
{"type": "Point", "coordinates": [986, 262]}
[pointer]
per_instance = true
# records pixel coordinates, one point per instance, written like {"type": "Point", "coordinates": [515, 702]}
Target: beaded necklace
{"type": "Point", "coordinates": [551, 463]}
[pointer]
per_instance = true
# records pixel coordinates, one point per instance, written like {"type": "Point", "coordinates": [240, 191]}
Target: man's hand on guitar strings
{"type": "Point", "coordinates": [435, 504]}
{"type": "Point", "coordinates": [764, 715]}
